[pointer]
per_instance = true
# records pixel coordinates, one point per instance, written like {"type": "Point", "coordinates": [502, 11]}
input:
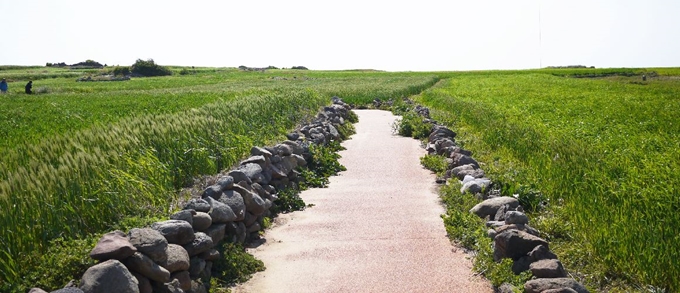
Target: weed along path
{"type": "Point", "coordinates": [376, 228]}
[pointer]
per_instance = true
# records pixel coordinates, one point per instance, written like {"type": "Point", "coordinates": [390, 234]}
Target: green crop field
{"type": "Point", "coordinates": [80, 157]}
{"type": "Point", "coordinates": [604, 152]}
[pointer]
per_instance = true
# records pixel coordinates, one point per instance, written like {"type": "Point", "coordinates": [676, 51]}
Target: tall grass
{"type": "Point", "coordinates": [86, 155]}
{"type": "Point", "coordinates": [85, 181]}
{"type": "Point", "coordinates": [605, 152]}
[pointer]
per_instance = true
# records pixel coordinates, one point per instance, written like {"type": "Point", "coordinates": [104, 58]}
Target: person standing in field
{"type": "Point", "coordinates": [3, 86]}
{"type": "Point", "coordinates": [29, 86]}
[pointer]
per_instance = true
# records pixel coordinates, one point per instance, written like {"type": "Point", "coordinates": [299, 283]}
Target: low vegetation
{"type": "Point", "coordinates": [601, 153]}
{"type": "Point", "coordinates": [595, 159]}
{"type": "Point", "coordinates": [149, 68]}
{"type": "Point", "coordinates": [85, 157]}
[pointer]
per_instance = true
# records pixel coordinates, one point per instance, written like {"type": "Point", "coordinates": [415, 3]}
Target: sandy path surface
{"type": "Point", "coordinates": [377, 228]}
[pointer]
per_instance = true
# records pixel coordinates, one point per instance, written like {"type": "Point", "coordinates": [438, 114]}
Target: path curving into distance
{"type": "Point", "coordinates": [376, 228]}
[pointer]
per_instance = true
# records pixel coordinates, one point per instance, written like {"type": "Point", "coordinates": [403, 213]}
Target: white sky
{"type": "Point", "coordinates": [349, 34]}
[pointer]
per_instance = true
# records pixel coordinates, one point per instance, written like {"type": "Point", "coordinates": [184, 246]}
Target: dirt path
{"type": "Point", "coordinates": [375, 229]}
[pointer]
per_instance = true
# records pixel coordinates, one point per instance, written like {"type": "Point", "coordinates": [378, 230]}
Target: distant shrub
{"type": "Point", "coordinates": [149, 68]}
{"type": "Point", "coordinates": [87, 64]}
{"type": "Point", "coordinates": [299, 67]}
{"type": "Point", "coordinates": [121, 70]}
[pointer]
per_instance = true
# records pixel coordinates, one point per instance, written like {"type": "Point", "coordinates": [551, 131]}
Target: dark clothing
{"type": "Point", "coordinates": [29, 86]}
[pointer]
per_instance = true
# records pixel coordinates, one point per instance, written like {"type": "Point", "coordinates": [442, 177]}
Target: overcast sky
{"type": "Point", "coordinates": [349, 34]}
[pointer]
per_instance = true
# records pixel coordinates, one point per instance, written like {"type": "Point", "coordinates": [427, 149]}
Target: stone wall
{"type": "Point", "coordinates": [174, 255]}
{"type": "Point", "coordinates": [508, 224]}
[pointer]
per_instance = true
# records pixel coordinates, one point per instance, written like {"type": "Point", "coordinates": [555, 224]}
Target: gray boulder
{"type": "Point", "coordinates": [296, 148]}
{"type": "Point", "coordinates": [441, 132]}
{"type": "Point", "coordinates": [197, 287]}
{"type": "Point", "coordinates": [212, 191]}
{"type": "Point", "coordinates": [490, 206]}
{"type": "Point", "coordinates": [548, 268]}
{"type": "Point", "coordinates": [253, 202]}
{"type": "Point", "coordinates": [258, 151]}
{"type": "Point", "coordinates": [36, 290]}
{"type": "Point", "coordinates": [250, 219]}
{"type": "Point", "coordinates": [333, 131]}
{"type": "Point", "coordinates": [515, 217]}
{"type": "Point", "coordinates": [184, 215]}
{"type": "Point", "coordinates": [184, 279]}
{"type": "Point", "coordinates": [541, 252]}
{"type": "Point", "coordinates": [458, 150]}
{"type": "Point", "coordinates": [197, 266]}
{"type": "Point", "coordinates": [257, 159]}
{"type": "Point", "coordinates": [216, 232]}
{"type": "Point", "coordinates": [495, 224]}
{"type": "Point", "coordinates": [520, 227]}
{"type": "Point", "coordinates": [276, 172]}
{"type": "Point", "coordinates": [239, 176]}
{"type": "Point", "coordinates": [198, 205]}
{"type": "Point", "coordinates": [290, 162]}
{"type": "Point", "coordinates": [457, 170]}
{"type": "Point", "coordinates": [520, 265]}
{"type": "Point", "coordinates": [257, 188]}
{"type": "Point", "coordinates": [221, 212]}
{"type": "Point", "coordinates": [283, 149]}
{"type": "Point", "coordinates": [144, 283]}
{"type": "Point", "coordinates": [541, 285]}
{"type": "Point", "coordinates": [460, 160]}
{"type": "Point", "coordinates": [476, 173]}
{"type": "Point", "coordinates": [113, 245]}
{"type": "Point", "coordinates": [293, 136]}
{"type": "Point", "coordinates": [108, 276]}
{"type": "Point", "coordinates": [500, 214]}
{"type": "Point", "coordinates": [178, 259]}
{"type": "Point", "coordinates": [255, 227]}
{"type": "Point", "coordinates": [235, 201]}
{"type": "Point", "coordinates": [169, 287]}
{"type": "Point", "coordinates": [515, 244]}
{"type": "Point", "coordinates": [150, 242]}
{"type": "Point", "coordinates": [300, 160]}
{"type": "Point", "coordinates": [202, 242]}
{"type": "Point", "coordinates": [210, 255]}
{"type": "Point", "coordinates": [491, 233]}
{"type": "Point", "coordinates": [476, 185]}
{"type": "Point", "coordinates": [560, 290]}
{"type": "Point", "coordinates": [251, 170]}
{"type": "Point", "coordinates": [175, 231]}
{"type": "Point", "coordinates": [225, 182]}
{"type": "Point", "coordinates": [202, 221]}
{"type": "Point", "coordinates": [142, 264]}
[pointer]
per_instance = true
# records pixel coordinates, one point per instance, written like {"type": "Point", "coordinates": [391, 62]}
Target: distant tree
{"type": "Point", "coordinates": [299, 68]}
{"type": "Point", "coordinates": [121, 70]}
{"type": "Point", "coordinates": [149, 68]}
{"type": "Point", "coordinates": [243, 67]}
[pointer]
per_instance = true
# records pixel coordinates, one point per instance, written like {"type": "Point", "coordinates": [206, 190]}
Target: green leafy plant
{"type": "Point", "coordinates": [234, 266]}
{"type": "Point", "coordinates": [435, 163]}
{"type": "Point", "coordinates": [149, 68]}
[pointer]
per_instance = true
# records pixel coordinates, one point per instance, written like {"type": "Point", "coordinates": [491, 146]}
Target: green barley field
{"type": "Point", "coordinates": [79, 158]}
{"type": "Point", "coordinates": [603, 152]}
